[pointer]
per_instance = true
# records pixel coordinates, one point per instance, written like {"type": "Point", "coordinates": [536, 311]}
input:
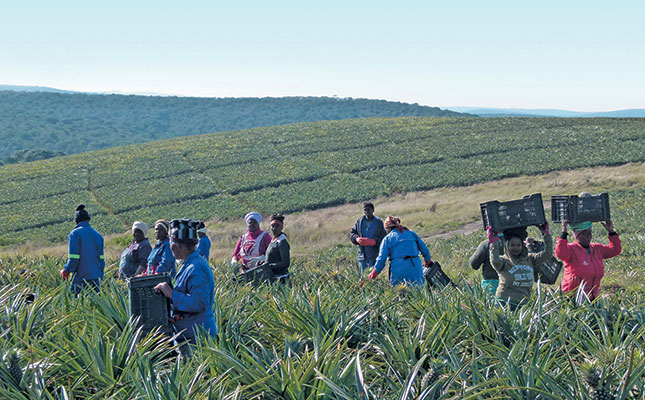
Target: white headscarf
{"type": "Point", "coordinates": [253, 215]}
{"type": "Point", "coordinates": [140, 226]}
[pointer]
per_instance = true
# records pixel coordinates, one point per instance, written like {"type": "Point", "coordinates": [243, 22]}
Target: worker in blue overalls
{"type": "Point", "coordinates": [86, 261]}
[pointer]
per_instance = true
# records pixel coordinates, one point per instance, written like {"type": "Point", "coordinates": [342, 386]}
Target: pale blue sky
{"type": "Point", "coordinates": [577, 55]}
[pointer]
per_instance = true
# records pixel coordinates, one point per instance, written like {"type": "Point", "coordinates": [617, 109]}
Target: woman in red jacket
{"type": "Point", "coordinates": [583, 263]}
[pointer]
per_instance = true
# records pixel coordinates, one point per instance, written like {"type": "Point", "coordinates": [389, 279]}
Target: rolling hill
{"type": "Point", "coordinates": [296, 167]}
{"type": "Point", "coordinates": [75, 122]}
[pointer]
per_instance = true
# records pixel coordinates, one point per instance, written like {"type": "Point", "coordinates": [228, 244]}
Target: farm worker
{"type": "Point", "coordinates": [278, 255]}
{"type": "Point", "coordinates": [367, 233]}
{"type": "Point", "coordinates": [583, 260]}
{"type": "Point", "coordinates": [252, 246]}
{"type": "Point", "coordinates": [204, 245]}
{"type": "Point", "coordinates": [86, 260]}
{"type": "Point", "coordinates": [193, 294]}
{"type": "Point", "coordinates": [481, 259]}
{"type": "Point", "coordinates": [161, 258]}
{"type": "Point", "coordinates": [402, 247]}
{"type": "Point", "coordinates": [134, 259]}
{"type": "Point", "coordinates": [516, 267]}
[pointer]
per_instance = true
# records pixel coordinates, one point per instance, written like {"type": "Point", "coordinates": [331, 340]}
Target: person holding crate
{"type": "Point", "coordinates": [402, 247]}
{"type": "Point", "coordinates": [367, 233]}
{"type": "Point", "coordinates": [583, 260]}
{"type": "Point", "coordinates": [134, 259]}
{"type": "Point", "coordinates": [86, 260]}
{"type": "Point", "coordinates": [193, 294]}
{"type": "Point", "coordinates": [252, 246]}
{"type": "Point", "coordinates": [516, 265]}
{"type": "Point", "coordinates": [161, 258]}
{"type": "Point", "coordinates": [278, 255]}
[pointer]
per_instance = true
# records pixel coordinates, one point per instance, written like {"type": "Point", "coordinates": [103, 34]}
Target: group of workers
{"type": "Point", "coordinates": [509, 268]}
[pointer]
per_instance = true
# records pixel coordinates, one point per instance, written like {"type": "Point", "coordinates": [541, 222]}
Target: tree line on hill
{"type": "Point", "coordinates": [38, 125]}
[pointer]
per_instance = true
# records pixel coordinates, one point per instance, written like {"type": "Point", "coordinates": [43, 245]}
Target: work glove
{"type": "Point", "coordinates": [64, 274]}
{"type": "Point", "coordinates": [493, 237]}
{"type": "Point", "coordinates": [428, 263]}
{"type": "Point", "coordinates": [545, 229]}
{"type": "Point", "coordinates": [373, 275]}
{"type": "Point", "coordinates": [234, 262]}
{"type": "Point", "coordinates": [366, 242]}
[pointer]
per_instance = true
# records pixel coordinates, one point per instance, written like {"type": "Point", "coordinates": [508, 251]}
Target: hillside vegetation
{"type": "Point", "coordinates": [74, 123]}
{"type": "Point", "coordinates": [296, 167]}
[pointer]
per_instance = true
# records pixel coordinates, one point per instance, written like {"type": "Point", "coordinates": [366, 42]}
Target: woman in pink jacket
{"type": "Point", "coordinates": [583, 263]}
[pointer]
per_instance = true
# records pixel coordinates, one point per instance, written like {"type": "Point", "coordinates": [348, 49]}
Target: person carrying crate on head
{"type": "Point", "coordinates": [516, 265]}
{"type": "Point", "coordinates": [583, 260]}
{"type": "Point", "coordinates": [86, 260]}
{"type": "Point", "coordinates": [481, 259]}
{"type": "Point", "coordinates": [402, 247]}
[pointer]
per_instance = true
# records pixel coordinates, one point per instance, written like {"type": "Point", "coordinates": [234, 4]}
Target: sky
{"type": "Point", "coordinates": [574, 55]}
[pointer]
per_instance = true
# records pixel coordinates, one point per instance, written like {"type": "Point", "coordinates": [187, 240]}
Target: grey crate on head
{"type": "Point", "coordinates": [559, 208]}
{"type": "Point", "coordinates": [513, 214]}
{"type": "Point", "coordinates": [577, 209]}
{"type": "Point", "coordinates": [152, 308]}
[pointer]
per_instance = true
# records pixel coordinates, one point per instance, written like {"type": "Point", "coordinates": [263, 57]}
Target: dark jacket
{"type": "Point", "coordinates": [86, 261]}
{"type": "Point", "coordinates": [278, 256]}
{"type": "Point", "coordinates": [481, 258]}
{"type": "Point", "coordinates": [379, 234]}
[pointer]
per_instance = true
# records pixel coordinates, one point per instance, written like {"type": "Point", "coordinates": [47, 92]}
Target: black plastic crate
{"type": "Point", "coordinates": [559, 208]}
{"type": "Point", "coordinates": [548, 271]}
{"type": "Point", "coordinates": [591, 208]}
{"type": "Point", "coordinates": [435, 276]}
{"type": "Point", "coordinates": [513, 214]}
{"type": "Point", "coordinates": [152, 308]}
{"type": "Point", "coordinates": [258, 275]}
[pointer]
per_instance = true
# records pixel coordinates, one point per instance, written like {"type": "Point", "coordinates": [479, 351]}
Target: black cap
{"type": "Point", "coordinates": [185, 230]}
{"type": "Point", "coordinates": [81, 214]}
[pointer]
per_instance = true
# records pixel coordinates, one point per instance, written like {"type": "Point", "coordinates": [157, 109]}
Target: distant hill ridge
{"type": "Point", "coordinates": [77, 122]}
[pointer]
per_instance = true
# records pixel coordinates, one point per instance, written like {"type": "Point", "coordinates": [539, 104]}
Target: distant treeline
{"type": "Point", "coordinates": [72, 123]}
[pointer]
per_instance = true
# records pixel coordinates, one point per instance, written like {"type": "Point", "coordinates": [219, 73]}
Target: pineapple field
{"type": "Point", "coordinates": [328, 337]}
{"type": "Point", "coordinates": [297, 167]}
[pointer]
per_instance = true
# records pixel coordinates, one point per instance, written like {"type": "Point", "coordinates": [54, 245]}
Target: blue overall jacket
{"type": "Point", "coordinates": [402, 249]}
{"type": "Point", "coordinates": [193, 297]}
{"type": "Point", "coordinates": [161, 259]}
{"type": "Point", "coordinates": [86, 261]}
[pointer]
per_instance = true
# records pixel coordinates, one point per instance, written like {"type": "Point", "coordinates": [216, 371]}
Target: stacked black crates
{"type": "Point", "coordinates": [580, 208]}
{"type": "Point", "coordinates": [152, 308]}
{"type": "Point", "coordinates": [513, 214]}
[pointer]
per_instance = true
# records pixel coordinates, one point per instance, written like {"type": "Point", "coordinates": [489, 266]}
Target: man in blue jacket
{"type": "Point", "coordinates": [86, 261]}
{"type": "Point", "coordinates": [367, 233]}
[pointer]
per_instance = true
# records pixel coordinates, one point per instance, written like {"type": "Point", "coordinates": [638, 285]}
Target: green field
{"type": "Point", "coordinates": [326, 338]}
{"type": "Point", "coordinates": [296, 167]}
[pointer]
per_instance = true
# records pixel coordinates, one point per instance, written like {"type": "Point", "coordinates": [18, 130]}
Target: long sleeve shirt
{"type": "Point", "coordinates": [161, 259]}
{"type": "Point", "coordinates": [193, 297]}
{"type": "Point", "coordinates": [278, 255]}
{"type": "Point", "coordinates": [481, 258]}
{"type": "Point", "coordinates": [584, 266]}
{"type": "Point", "coordinates": [85, 259]}
{"type": "Point", "coordinates": [402, 249]}
{"type": "Point", "coordinates": [370, 229]}
{"type": "Point", "coordinates": [516, 273]}
{"type": "Point", "coordinates": [204, 247]}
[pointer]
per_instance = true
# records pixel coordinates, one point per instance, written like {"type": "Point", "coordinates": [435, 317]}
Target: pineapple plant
{"type": "Point", "coordinates": [12, 361]}
{"type": "Point", "coordinates": [595, 378]}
